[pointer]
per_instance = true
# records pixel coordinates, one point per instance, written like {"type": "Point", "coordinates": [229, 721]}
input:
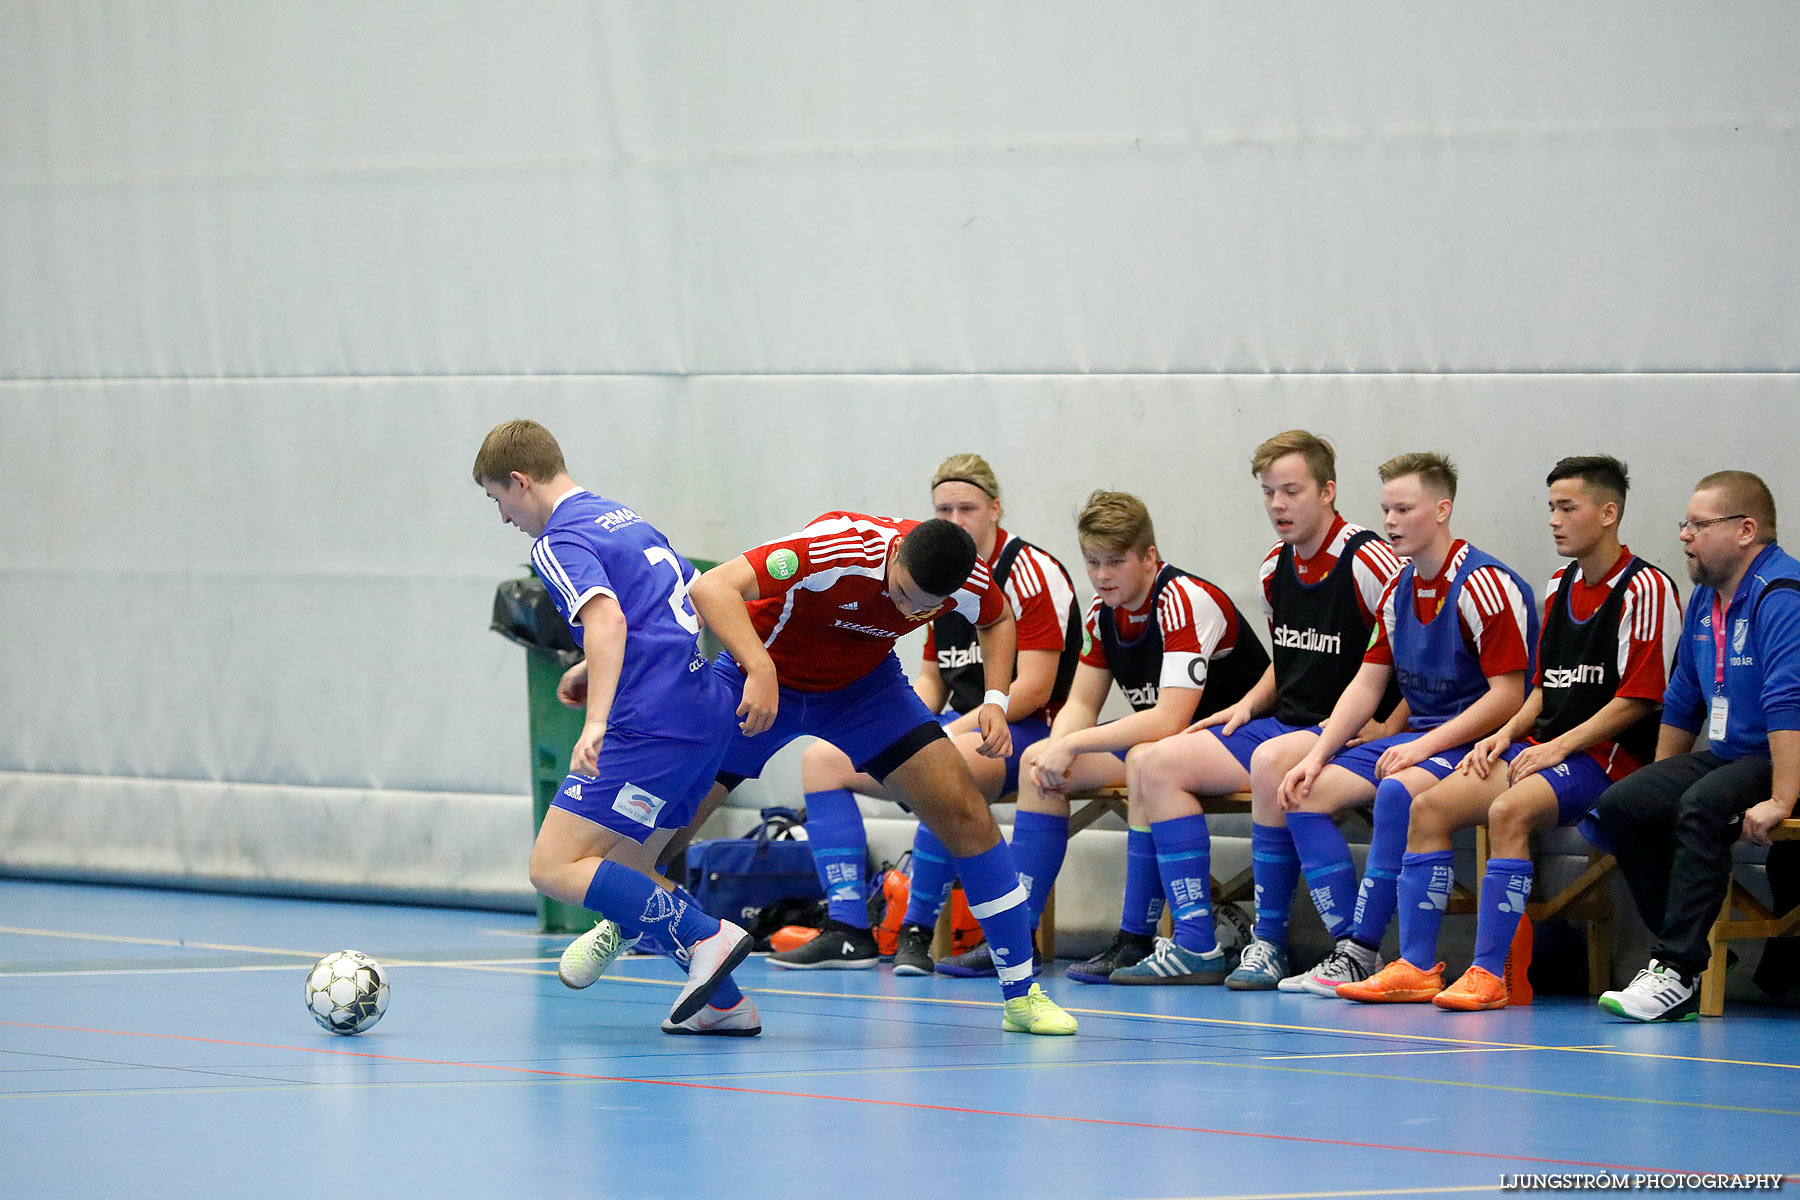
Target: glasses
{"type": "Point", "coordinates": [1682, 527]}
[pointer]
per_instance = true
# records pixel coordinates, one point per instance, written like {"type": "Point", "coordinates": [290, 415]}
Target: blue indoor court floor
{"type": "Point", "coordinates": [155, 1043]}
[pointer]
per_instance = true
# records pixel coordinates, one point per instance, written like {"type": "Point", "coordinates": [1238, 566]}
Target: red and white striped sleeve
{"type": "Point", "coordinates": [1649, 631]}
{"type": "Point", "coordinates": [1374, 568]}
{"type": "Point", "coordinates": [1197, 627]}
{"type": "Point", "coordinates": [1042, 600]}
{"type": "Point", "coordinates": [1494, 620]}
{"type": "Point", "coordinates": [1270, 561]}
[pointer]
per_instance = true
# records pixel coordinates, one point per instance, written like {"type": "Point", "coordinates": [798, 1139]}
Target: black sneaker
{"type": "Point", "coordinates": [839, 947]}
{"type": "Point", "coordinates": [1127, 949]}
{"type": "Point", "coordinates": [979, 963]}
{"type": "Point", "coordinates": [912, 952]}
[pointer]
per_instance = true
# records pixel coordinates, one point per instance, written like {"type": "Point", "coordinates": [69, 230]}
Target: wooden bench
{"type": "Point", "coordinates": [1756, 921]}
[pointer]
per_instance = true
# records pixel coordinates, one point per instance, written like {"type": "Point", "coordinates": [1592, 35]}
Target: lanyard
{"type": "Point", "coordinates": [1718, 632]}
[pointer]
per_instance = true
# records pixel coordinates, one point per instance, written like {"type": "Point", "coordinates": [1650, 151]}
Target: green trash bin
{"type": "Point", "coordinates": [523, 613]}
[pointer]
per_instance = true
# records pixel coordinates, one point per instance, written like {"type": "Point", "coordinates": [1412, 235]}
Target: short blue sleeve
{"type": "Point", "coordinates": [572, 571]}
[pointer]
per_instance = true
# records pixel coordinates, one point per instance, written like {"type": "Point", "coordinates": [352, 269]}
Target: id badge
{"type": "Point", "coordinates": [1721, 711]}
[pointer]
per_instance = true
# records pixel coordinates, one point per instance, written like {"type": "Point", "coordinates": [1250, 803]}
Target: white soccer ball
{"type": "Point", "coordinates": [1234, 926]}
{"type": "Point", "coordinates": [346, 992]}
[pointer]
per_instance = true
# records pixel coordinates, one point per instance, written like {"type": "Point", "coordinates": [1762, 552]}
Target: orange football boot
{"type": "Point", "coordinates": [1476, 991]}
{"type": "Point", "coordinates": [1397, 983]}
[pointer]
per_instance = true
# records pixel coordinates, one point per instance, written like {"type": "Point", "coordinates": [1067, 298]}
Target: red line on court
{"type": "Point", "coordinates": [908, 1104]}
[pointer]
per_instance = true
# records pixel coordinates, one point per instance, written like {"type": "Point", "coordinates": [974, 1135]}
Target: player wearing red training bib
{"type": "Point", "coordinates": [808, 623]}
{"type": "Point", "coordinates": [1611, 624]}
{"type": "Point", "coordinates": [952, 683]}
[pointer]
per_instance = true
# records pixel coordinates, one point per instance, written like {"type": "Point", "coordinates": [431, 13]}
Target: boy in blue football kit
{"type": "Point", "coordinates": [658, 723]}
{"type": "Point", "coordinates": [1458, 630]}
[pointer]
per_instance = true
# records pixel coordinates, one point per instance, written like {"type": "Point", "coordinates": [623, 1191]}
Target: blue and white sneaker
{"type": "Point", "coordinates": [1261, 969]}
{"type": "Point", "coordinates": [1169, 964]}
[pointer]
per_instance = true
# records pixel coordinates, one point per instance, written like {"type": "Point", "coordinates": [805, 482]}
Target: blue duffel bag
{"type": "Point", "coordinates": [735, 878]}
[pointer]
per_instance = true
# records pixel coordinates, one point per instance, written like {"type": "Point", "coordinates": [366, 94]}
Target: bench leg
{"type": "Point", "coordinates": [1046, 932]}
{"type": "Point", "coordinates": [1712, 981]}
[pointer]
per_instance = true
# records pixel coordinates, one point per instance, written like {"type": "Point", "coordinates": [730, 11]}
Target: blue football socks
{"type": "Point", "coordinates": [997, 900]}
{"type": "Point", "coordinates": [1504, 894]}
{"type": "Point", "coordinates": [1184, 860]}
{"type": "Point", "coordinates": [1143, 905]}
{"type": "Point", "coordinates": [840, 849]}
{"type": "Point", "coordinates": [1330, 874]}
{"type": "Point", "coordinates": [932, 875]}
{"type": "Point", "coordinates": [1376, 898]}
{"type": "Point", "coordinates": [1276, 866]}
{"type": "Point", "coordinates": [1040, 840]}
{"type": "Point", "coordinates": [638, 905]}
{"type": "Point", "coordinates": [1424, 892]}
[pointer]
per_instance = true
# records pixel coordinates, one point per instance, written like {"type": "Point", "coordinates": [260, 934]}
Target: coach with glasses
{"type": "Point", "coordinates": [1737, 674]}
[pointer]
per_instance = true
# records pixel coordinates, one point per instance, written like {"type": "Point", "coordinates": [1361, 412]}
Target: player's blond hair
{"type": "Point", "coordinates": [1115, 522]}
{"type": "Point", "coordinates": [1321, 459]}
{"type": "Point", "coordinates": [1748, 494]}
{"type": "Point", "coordinates": [522, 446]}
{"type": "Point", "coordinates": [1435, 471]}
{"type": "Point", "coordinates": [967, 468]}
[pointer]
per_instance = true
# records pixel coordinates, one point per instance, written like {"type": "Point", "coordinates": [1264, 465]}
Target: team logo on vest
{"type": "Point", "coordinates": [1289, 638]}
{"type": "Point", "coordinates": [1568, 677]}
{"type": "Point", "coordinates": [1740, 634]}
{"type": "Point", "coordinates": [782, 564]}
{"type": "Point", "coordinates": [637, 804]}
{"type": "Point", "coordinates": [968, 656]}
{"type": "Point", "coordinates": [1141, 696]}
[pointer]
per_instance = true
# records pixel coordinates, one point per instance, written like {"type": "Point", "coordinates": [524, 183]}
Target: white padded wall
{"type": "Point", "coordinates": [267, 273]}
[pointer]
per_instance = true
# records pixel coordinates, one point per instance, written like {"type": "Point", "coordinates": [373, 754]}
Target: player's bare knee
{"type": "Point", "coordinates": [1427, 819]}
{"type": "Point", "coordinates": [1512, 821]}
{"type": "Point", "coordinates": [824, 767]}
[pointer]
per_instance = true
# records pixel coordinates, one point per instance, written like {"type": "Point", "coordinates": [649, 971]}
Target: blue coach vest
{"type": "Point", "coordinates": [1438, 675]}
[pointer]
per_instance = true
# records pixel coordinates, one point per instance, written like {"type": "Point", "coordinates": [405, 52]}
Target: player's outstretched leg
{"type": "Point", "coordinates": [936, 784]}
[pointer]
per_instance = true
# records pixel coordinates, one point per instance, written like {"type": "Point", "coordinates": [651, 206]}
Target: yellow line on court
{"type": "Point", "coordinates": [1334, 1031]}
{"type": "Point", "coordinates": [142, 941]}
{"type": "Point", "coordinates": [1414, 1053]}
{"type": "Point", "coordinates": [1170, 1018]}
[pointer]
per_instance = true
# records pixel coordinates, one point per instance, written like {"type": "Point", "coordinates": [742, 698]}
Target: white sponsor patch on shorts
{"type": "Point", "coordinates": [639, 805]}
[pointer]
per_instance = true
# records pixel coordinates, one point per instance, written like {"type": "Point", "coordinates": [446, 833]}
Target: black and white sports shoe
{"type": "Point", "coordinates": [912, 951]}
{"type": "Point", "coordinates": [1127, 949]}
{"type": "Point", "coordinates": [1659, 993]}
{"type": "Point", "coordinates": [839, 947]}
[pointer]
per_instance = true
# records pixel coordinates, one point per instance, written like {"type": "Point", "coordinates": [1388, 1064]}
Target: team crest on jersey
{"type": "Point", "coordinates": [1740, 634]}
{"type": "Point", "coordinates": [782, 564]}
{"type": "Point", "coordinates": [639, 805]}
